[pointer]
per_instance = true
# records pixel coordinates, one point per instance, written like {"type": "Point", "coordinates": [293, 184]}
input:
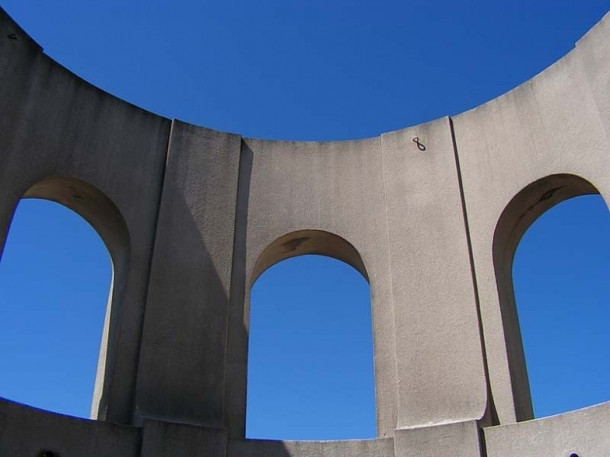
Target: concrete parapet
{"type": "Point", "coordinates": [163, 439]}
{"type": "Point", "coordinates": [444, 440]}
{"type": "Point", "coordinates": [354, 448]}
{"type": "Point", "coordinates": [582, 433]}
{"type": "Point", "coordinates": [27, 431]}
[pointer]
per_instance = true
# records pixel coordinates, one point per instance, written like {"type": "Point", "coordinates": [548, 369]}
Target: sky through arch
{"type": "Point", "coordinates": [55, 277]}
{"type": "Point", "coordinates": [310, 331]}
{"type": "Point", "coordinates": [561, 272]}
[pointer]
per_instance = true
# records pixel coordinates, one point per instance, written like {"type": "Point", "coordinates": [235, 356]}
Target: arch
{"type": "Point", "coordinates": [304, 242]}
{"type": "Point", "coordinates": [98, 210]}
{"type": "Point", "coordinates": [523, 209]}
{"type": "Point", "coordinates": [337, 251]}
{"type": "Point", "coordinates": [292, 244]}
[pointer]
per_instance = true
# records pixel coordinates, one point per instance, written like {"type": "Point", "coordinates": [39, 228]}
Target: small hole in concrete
{"type": "Point", "coordinates": [574, 455]}
{"type": "Point", "coordinates": [46, 453]}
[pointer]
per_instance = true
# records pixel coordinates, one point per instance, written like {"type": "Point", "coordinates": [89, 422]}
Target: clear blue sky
{"type": "Point", "coordinates": [308, 70]}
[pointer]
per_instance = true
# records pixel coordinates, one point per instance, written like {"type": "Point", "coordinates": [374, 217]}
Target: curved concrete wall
{"type": "Point", "coordinates": [187, 212]}
{"type": "Point", "coordinates": [556, 123]}
{"type": "Point", "coordinates": [55, 125]}
{"type": "Point", "coordinates": [583, 432]}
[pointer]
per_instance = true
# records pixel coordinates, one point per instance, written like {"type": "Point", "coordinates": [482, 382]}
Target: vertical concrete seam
{"type": "Point", "coordinates": [482, 443]}
{"type": "Point", "coordinates": [490, 408]}
{"type": "Point", "coordinates": [392, 303]}
{"type": "Point", "coordinates": [133, 406]}
{"type": "Point", "coordinates": [240, 233]}
{"type": "Point", "coordinates": [140, 442]}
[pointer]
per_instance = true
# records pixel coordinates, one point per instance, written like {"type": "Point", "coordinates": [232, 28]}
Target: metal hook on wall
{"type": "Point", "coordinates": [420, 145]}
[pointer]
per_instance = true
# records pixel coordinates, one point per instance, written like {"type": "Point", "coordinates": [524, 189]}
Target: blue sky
{"type": "Point", "coordinates": [309, 70]}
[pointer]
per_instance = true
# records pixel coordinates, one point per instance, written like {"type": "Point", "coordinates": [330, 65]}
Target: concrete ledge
{"type": "Point", "coordinates": [452, 440]}
{"type": "Point", "coordinates": [27, 431]}
{"type": "Point", "coordinates": [162, 439]}
{"type": "Point", "coordinates": [583, 432]}
{"type": "Point", "coordinates": [356, 448]}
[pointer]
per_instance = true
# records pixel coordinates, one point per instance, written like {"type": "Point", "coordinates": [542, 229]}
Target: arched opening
{"type": "Point", "coordinates": [310, 359]}
{"type": "Point", "coordinates": [55, 277]}
{"type": "Point", "coordinates": [62, 276]}
{"type": "Point", "coordinates": [561, 272]}
{"type": "Point", "coordinates": [521, 213]}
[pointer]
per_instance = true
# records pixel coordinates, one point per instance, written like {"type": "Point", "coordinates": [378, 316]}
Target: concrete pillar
{"type": "Point", "coordinates": [182, 364]}
{"type": "Point", "coordinates": [439, 360]}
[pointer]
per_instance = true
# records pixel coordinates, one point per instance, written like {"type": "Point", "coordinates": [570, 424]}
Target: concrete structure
{"type": "Point", "coordinates": [192, 216]}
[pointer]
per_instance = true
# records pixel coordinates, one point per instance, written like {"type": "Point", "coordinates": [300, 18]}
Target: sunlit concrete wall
{"type": "Point", "coordinates": [187, 214]}
{"type": "Point", "coordinates": [55, 126]}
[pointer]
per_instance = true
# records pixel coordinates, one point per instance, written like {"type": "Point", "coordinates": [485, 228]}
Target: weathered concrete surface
{"type": "Point", "coordinates": [192, 216]}
{"type": "Point", "coordinates": [583, 432]}
{"type": "Point", "coordinates": [332, 187]}
{"type": "Point", "coordinates": [356, 448]}
{"type": "Point", "coordinates": [440, 364]}
{"type": "Point", "coordinates": [162, 439]}
{"type": "Point", "coordinates": [27, 431]}
{"type": "Point", "coordinates": [55, 125]}
{"type": "Point", "coordinates": [446, 440]}
{"type": "Point", "coordinates": [181, 372]}
{"type": "Point", "coordinates": [594, 54]}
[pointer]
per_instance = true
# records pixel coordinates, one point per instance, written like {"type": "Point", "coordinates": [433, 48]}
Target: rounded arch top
{"type": "Point", "coordinates": [97, 209]}
{"type": "Point", "coordinates": [518, 215]}
{"type": "Point", "coordinates": [90, 203]}
{"type": "Point", "coordinates": [529, 204]}
{"type": "Point", "coordinates": [303, 242]}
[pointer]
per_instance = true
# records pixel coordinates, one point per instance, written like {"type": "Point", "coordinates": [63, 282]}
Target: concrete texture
{"type": "Point", "coordinates": [26, 431]}
{"type": "Point", "coordinates": [447, 440]}
{"type": "Point", "coordinates": [440, 370]}
{"type": "Point", "coordinates": [181, 373]}
{"type": "Point", "coordinates": [162, 439]}
{"type": "Point", "coordinates": [583, 432]}
{"type": "Point", "coordinates": [356, 448]}
{"type": "Point", "coordinates": [191, 217]}
{"type": "Point", "coordinates": [55, 126]}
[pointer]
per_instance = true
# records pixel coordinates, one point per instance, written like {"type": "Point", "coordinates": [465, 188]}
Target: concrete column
{"type": "Point", "coordinates": [182, 363]}
{"type": "Point", "coordinates": [438, 345]}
